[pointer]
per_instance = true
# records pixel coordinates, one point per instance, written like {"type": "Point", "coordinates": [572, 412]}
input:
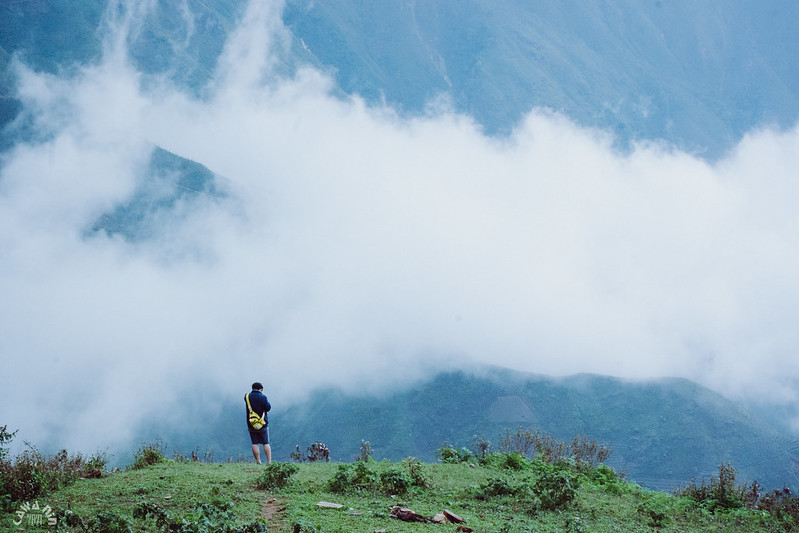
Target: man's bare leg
{"type": "Point", "coordinates": [257, 454]}
{"type": "Point", "coordinates": [268, 453]}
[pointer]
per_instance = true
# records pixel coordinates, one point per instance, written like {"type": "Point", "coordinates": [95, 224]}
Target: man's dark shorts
{"type": "Point", "coordinates": [261, 436]}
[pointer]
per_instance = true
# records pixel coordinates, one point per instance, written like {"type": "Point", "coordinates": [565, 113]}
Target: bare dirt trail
{"type": "Point", "coordinates": [272, 509]}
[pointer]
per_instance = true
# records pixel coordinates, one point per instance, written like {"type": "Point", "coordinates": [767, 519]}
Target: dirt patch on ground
{"type": "Point", "coordinates": [273, 510]}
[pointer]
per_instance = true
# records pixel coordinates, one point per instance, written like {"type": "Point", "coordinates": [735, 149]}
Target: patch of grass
{"type": "Point", "coordinates": [176, 488]}
{"type": "Point", "coordinates": [495, 496]}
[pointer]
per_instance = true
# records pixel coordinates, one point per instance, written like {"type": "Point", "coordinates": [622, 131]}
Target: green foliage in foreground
{"type": "Point", "coordinates": [276, 475]}
{"type": "Point", "coordinates": [503, 493]}
{"type": "Point", "coordinates": [148, 455]}
{"type": "Point", "coordinates": [32, 474]}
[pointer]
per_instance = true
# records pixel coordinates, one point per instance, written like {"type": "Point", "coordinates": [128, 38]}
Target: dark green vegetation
{"type": "Point", "coordinates": [32, 473]}
{"type": "Point", "coordinates": [662, 433]}
{"type": "Point", "coordinates": [503, 491]}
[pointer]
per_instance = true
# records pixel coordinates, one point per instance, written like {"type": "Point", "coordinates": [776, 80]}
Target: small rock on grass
{"type": "Point", "coordinates": [329, 505]}
{"type": "Point", "coordinates": [452, 517]}
{"type": "Point", "coordinates": [440, 518]}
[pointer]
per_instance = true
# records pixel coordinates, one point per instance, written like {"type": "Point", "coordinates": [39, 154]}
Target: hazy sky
{"type": "Point", "coordinates": [357, 247]}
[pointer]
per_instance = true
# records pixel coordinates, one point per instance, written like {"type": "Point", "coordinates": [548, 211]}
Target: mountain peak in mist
{"type": "Point", "coordinates": [698, 75]}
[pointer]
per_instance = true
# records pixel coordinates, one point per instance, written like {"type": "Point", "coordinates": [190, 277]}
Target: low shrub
{"type": "Point", "coordinates": [111, 522]}
{"type": "Point", "coordinates": [506, 461]}
{"type": "Point", "coordinates": [359, 477]}
{"type": "Point", "coordinates": [499, 486]}
{"type": "Point", "coordinates": [603, 475]}
{"type": "Point", "coordinates": [549, 449]}
{"type": "Point", "coordinates": [362, 478]}
{"type": "Point", "coordinates": [206, 518]}
{"type": "Point", "coordinates": [552, 486]}
{"type": "Point", "coordinates": [393, 481]}
{"type": "Point", "coordinates": [415, 468]}
{"type": "Point", "coordinates": [340, 481]}
{"type": "Point", "coordinates": [27, 477]}
{"type": "Point", "coordinates": [607, 478]}
{"type": "Point", "coordinates": [315, 452]}
{"type": "Point", "coordinates": [520, 442]}
{"type": "Point", "coordinates": [481, 446]}
{"type": "Point", "coordinates": [721, 493]}
{"type": "Point", "coordinates": [297, 455]}
{"type": "Point", "coordinates": [5, 437]}
{"type": "Point", "coordinates": [276, 475]}
{"type": "Point", "coordinates": [783, 507]}
{"type": "Point", "coordinates": [148, 455]}
{"type": "Point", "coordinates": [207, 456]}
{"type": "Point", "coordinates": [366, 453]}
{"type": "Point", "coordinates": [556, 485]}
{"type": "Point", "coordinates": [33, 474]}
{"type": "Point", "coordinates": [353, 477]}
{"type": "Point", "coordinates": [656, 509]}
{"type": "Point", "coordinates": [448, 454]}
{"type": "Point", "coordinates": [318, 451]}
{"type": "Point", "coordinates": [585, 452]}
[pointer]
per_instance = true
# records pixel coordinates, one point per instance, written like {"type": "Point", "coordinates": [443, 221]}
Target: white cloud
{"type": "Point", "coordinates": [360, 247]}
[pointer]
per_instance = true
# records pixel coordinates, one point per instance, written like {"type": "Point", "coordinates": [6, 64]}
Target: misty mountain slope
{"type": "Point", "coordinates": [169, 184]}
{"type": "Point", "coordinates": [662, 432]}
{"type": "Point", "coordinates": [180, 41]}
{"type": "Point", "coordinates": [60, 36]}
{"type": "Point", "coordinates": [48, 36]}
{"type": "Point", "coordinates": [696, 74]}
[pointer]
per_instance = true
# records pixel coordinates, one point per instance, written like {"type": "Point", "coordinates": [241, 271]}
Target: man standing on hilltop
{"type": "Point", "coordinates": [257, 407]}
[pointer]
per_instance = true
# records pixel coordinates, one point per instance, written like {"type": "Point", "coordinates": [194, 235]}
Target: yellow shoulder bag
{"type": "Point", "coordinates": [256, 421]}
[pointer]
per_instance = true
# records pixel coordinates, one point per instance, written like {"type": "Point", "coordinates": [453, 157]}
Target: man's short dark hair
{"type": "Point", "coordinates": [257, 386]}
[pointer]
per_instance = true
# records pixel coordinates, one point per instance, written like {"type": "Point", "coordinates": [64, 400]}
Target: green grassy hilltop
{"type": "Point", "coordinates": [499, 492]}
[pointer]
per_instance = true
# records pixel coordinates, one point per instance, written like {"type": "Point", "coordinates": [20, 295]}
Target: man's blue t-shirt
{"type": "Point", "coordinates": [260, 404]}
